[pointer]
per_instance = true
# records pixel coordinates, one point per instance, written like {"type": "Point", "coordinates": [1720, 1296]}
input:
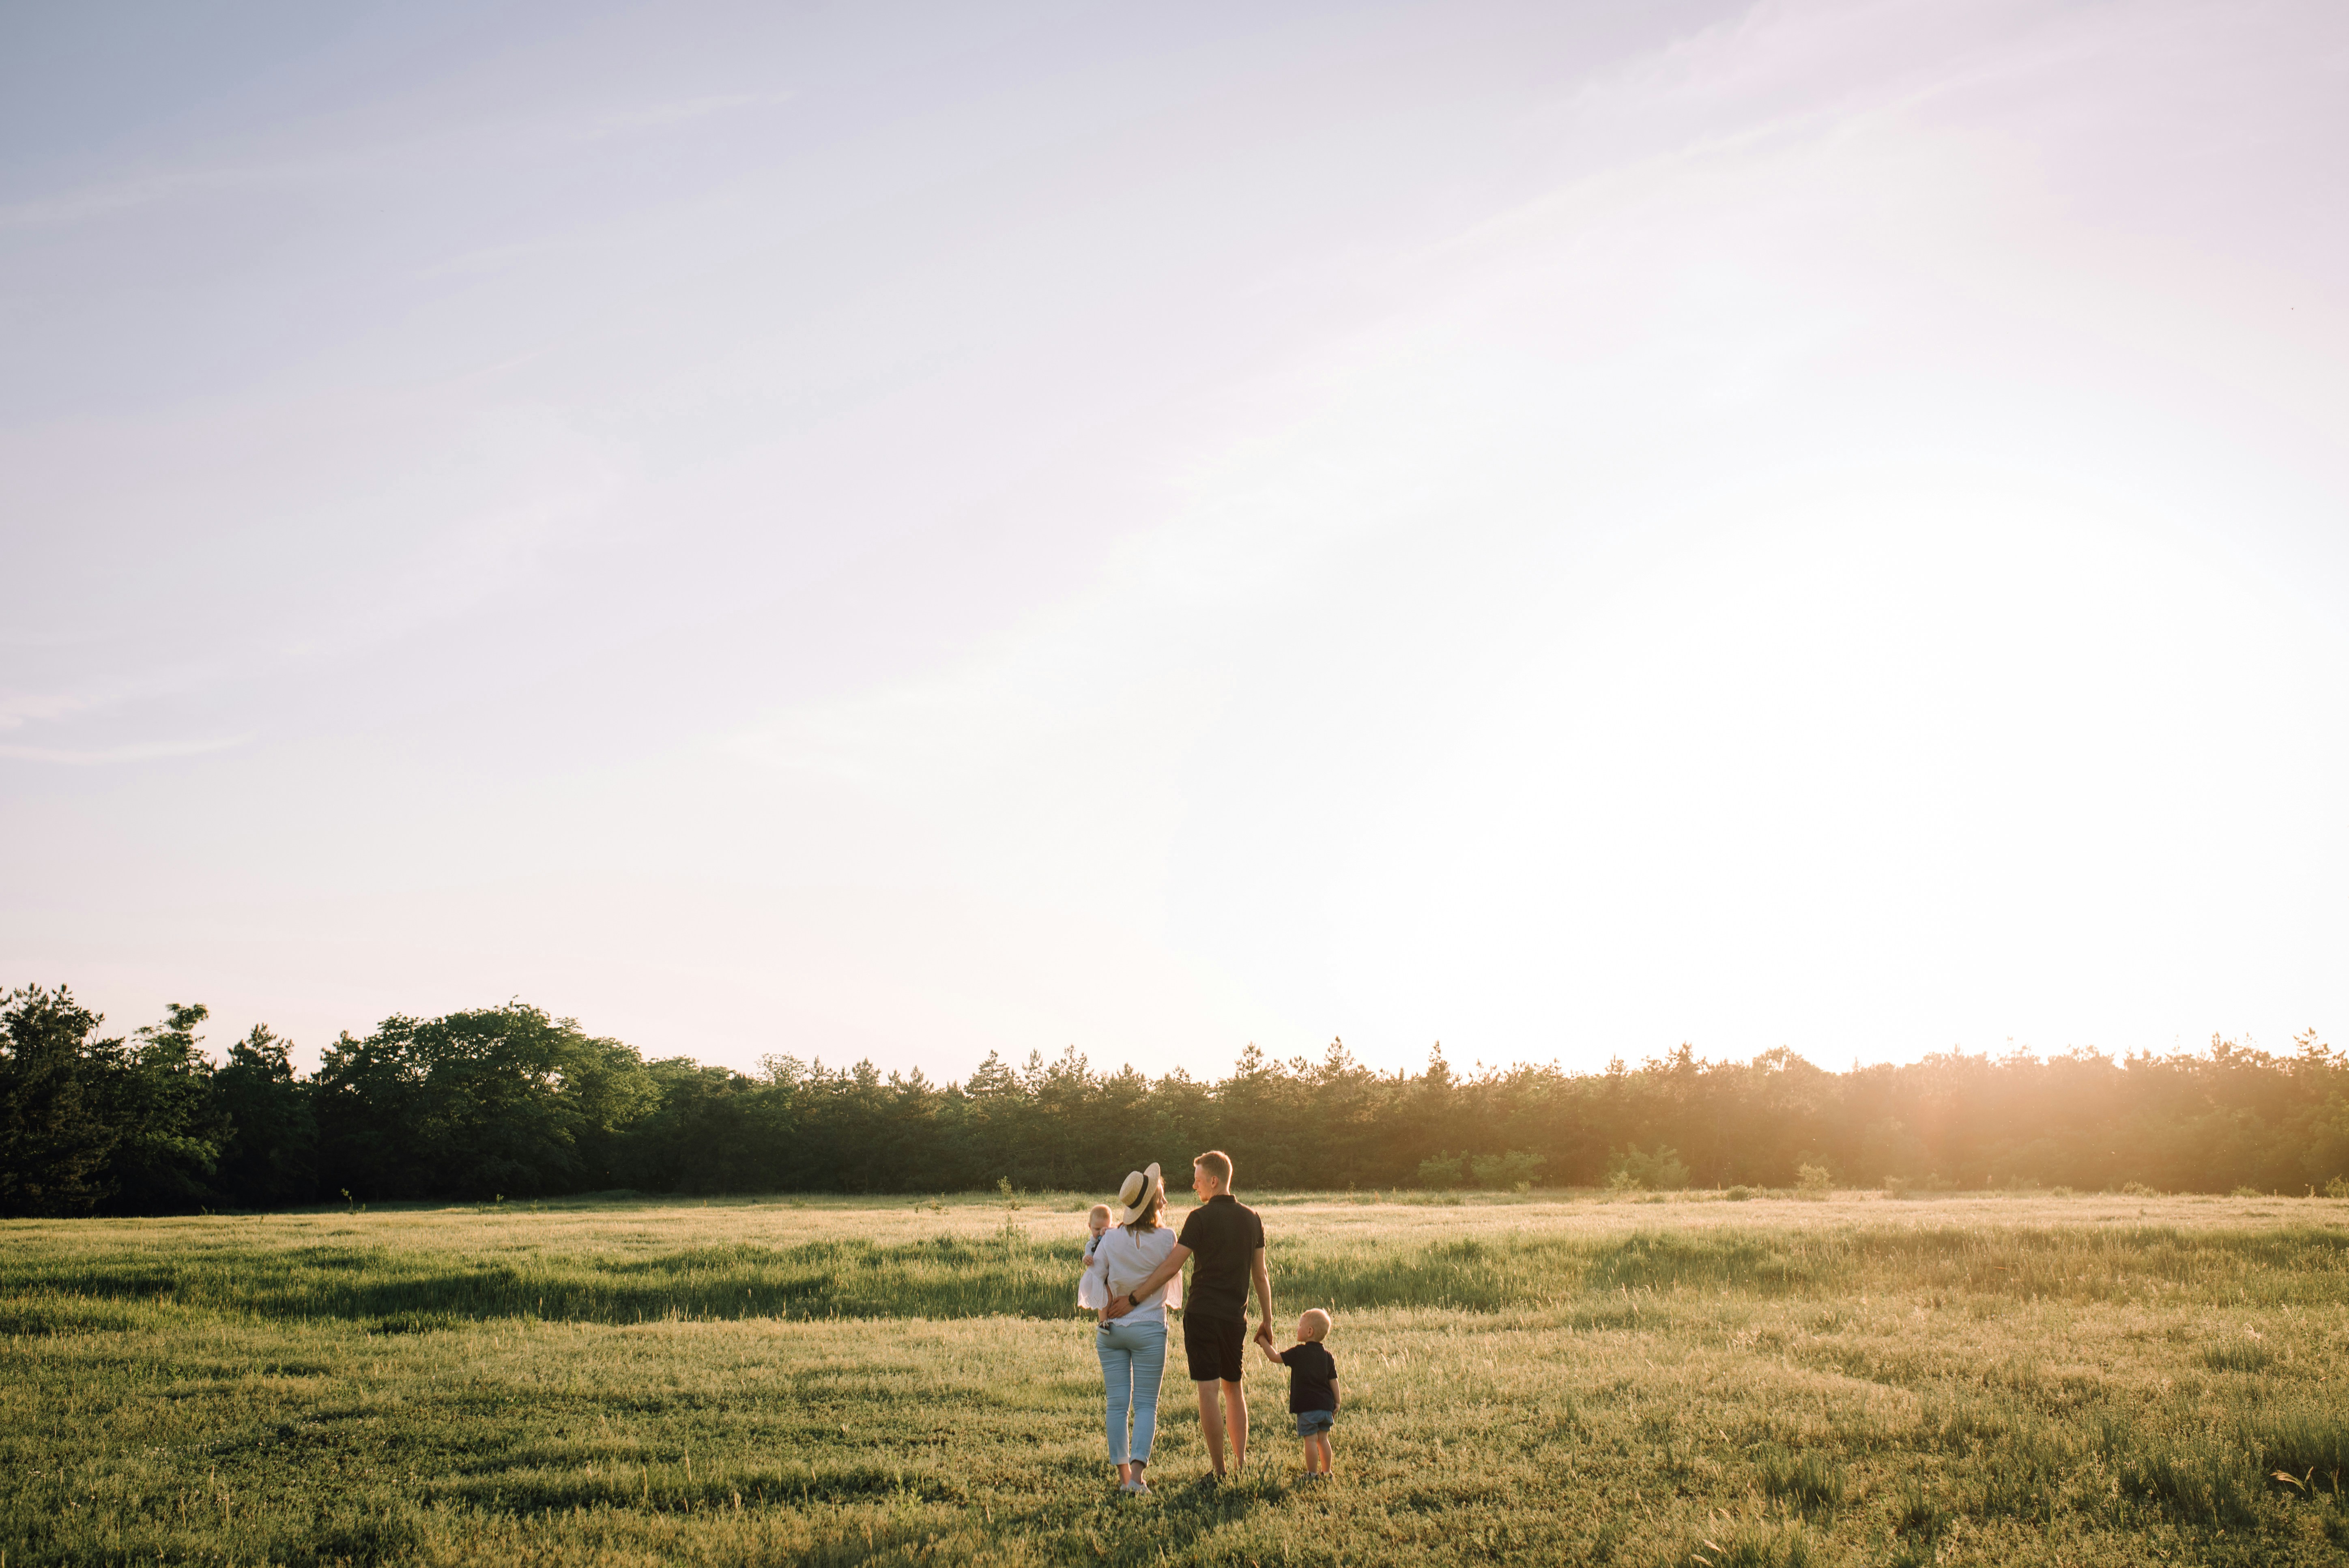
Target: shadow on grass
{"type": "Point", "coordinates": [1604, 1280]}
{"type": "Point", "coordinates": [668, 1489]}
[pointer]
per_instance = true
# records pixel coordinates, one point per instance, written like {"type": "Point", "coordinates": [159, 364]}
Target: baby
{"type": "Point", "coordinates": [1092, 1290]}
{"type": "Point", "coordinates": [1312, 1389]}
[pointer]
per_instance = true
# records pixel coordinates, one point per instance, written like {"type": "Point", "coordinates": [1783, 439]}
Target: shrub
{"type": "Point", "coordinates": [1813, 1182]}
{"type": "Point", "coordinates": [1511, 1170]}
{"type": "Point", "coordinates": [1899, 1187]}
{"type": "Point", "coordinates": [1443, 1173]}
{"type": "Point", "coordinates": [1660, 1171]}
{"type": "Point", "coordinates": [2138, 1190]}
{"type": "Point", "coordinates": [2243, 1191]}
{"type": "Point", "coordinates": [1739, 1193]}
{"type": "Point", "coordinates": [2337, 1187]}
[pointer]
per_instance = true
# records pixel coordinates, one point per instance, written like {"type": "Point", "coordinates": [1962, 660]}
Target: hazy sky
{"type": "Point", "coordinates": [905, 531]}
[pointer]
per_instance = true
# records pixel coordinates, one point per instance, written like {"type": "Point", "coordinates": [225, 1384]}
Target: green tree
{"type": "Point", "coordinates": [501, 1100]}
{"type": "Point", "coordinates": [271, 1155]}
{"type": "Point", "coordinates": [711, 1129]}
{"type": "Point", "coordinates": [55, 1136]}
{"type": "Point", "coordinates": [160, 1103]}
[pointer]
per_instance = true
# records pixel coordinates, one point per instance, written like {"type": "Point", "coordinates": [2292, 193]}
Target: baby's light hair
{"type": "Point", "coordinates": [1100, 1211]}
{"type": "Point", "coordinates": [1314, 1326]}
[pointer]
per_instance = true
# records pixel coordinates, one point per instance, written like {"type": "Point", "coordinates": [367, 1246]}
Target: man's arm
{"type": "Point", "coordinates": [1263, 1294]}
{"type": "Point", "coordinates": [1119, 1306]}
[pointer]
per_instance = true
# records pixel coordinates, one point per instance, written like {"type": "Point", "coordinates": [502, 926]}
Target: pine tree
{"type": "Point", "coordinates": [161, 1104]}
{"type": "Point", "coordinates": [270, 1156]}
{"type": "Point", "coordinates": [54, 1138]}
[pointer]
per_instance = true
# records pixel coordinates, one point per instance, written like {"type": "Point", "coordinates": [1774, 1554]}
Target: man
{"type": "Point", "coordinates": [1228, 1240]}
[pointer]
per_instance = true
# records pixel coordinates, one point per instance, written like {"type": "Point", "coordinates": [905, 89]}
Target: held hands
{"type": "Point", "coordinates": [1264, 1334]}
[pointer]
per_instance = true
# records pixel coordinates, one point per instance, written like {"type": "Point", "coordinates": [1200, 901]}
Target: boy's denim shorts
{"type": "Point", "coordinates": [1313, 1423]}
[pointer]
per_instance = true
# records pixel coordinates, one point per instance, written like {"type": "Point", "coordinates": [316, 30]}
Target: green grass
{"type": "Point", "coordinates": [1552, 1378]}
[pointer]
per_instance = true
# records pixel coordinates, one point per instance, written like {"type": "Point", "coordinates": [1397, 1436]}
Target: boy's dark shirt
{"type": "Point", "coordinates": [1223, 1235]}
{"type": "Point", "coordinates": [1312, 1378]}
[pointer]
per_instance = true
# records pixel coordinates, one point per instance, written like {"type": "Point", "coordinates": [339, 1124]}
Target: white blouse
{"type": "Point", "coordinates": [1123, 1259]}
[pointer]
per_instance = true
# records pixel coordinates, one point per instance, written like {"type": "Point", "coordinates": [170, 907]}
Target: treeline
{"type": "Point", "coordinates": [509, 1102]}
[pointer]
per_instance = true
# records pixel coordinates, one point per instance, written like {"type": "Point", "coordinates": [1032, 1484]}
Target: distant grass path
{"type": "Point", "coordinates": [1962, 1380]}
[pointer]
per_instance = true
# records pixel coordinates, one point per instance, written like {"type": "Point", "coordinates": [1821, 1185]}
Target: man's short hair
{"type": "Point", "coordinates": [1218, 1164]}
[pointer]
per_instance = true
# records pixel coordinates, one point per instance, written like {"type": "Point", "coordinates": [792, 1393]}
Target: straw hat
{"type": "Point", "coordinates": [1137, 1191]}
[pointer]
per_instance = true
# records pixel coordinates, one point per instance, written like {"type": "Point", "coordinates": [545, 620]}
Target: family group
{"type": "Point", "coordinates": [1134, 1275]}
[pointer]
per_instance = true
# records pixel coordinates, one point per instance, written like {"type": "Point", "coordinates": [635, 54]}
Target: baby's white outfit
{"type": "Point", "coordinates": [1092, 1294]}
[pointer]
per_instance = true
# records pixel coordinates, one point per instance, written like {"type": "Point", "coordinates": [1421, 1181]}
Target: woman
{"type": "Point", "coordinates": [1132, 1348]}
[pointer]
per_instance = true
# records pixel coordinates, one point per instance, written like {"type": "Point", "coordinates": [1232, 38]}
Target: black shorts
{"type": "Point", "coordinates": [1213, 1347]}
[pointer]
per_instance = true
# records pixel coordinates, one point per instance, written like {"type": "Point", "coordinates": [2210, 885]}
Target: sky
{"type": "Point", "coordinates": [903, 532]}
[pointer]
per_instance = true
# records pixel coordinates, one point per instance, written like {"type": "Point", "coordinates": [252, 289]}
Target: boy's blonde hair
{"type": "Point", "coordinates": [1315, 1325]}
{"type": "Point", "coordinates": [1100, 1211]}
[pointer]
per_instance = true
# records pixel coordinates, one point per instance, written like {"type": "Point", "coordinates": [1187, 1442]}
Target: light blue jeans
{"type": "Point", "coordinates": [1133, 1361]}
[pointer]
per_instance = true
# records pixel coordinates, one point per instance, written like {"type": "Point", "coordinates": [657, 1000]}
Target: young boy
{"type": "Point", "coordinates": [1312, 1389]}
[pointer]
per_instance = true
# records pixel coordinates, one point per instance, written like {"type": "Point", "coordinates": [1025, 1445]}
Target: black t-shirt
{"type": "Point", "coordinates": [1223, 1235]}
{"type": "Point", "coordinates": [1312, 1378]}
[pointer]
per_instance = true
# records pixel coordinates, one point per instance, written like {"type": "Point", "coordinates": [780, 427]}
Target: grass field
{"type": "Point", "coordinates": [1554, 1378]}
